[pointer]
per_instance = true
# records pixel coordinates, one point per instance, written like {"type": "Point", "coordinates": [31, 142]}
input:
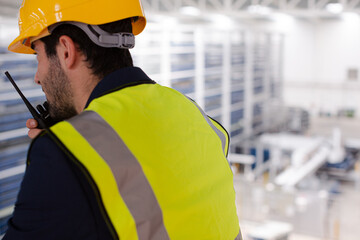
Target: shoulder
{"type": "Point", "coordinates": [62, 184]}
{"type": "Point", "coordinates": [48, 160]}
{"type": "Point", "coordinates": [47, 164]}
{"type": "Point", "coordinates": [49, 170]}
{"type": "Point", "coordinates": [49, 152]}
{"type": "Point", "coordinates": [52, 203]}
{"type": "Point", "coordinates": [44, 145]}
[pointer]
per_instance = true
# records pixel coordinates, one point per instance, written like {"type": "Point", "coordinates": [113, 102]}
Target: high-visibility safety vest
{"type": "Point", "coordinates": [157, 164]}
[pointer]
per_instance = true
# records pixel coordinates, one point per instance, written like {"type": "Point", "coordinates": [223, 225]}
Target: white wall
{"type": "Point", "coordinates": [298, 52]}
{"type": "Point", "coordinates": [317, 55]}
{"type": "Point", "coordinates": [338, 48]}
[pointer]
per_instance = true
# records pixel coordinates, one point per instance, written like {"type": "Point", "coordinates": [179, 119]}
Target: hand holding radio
{"type": "Point", "coordinates": [32, 125]}
{"type": "Point", "coordinates": [41, 115]}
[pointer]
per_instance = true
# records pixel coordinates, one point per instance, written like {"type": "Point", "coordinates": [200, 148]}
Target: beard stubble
{"type": "Point", "coordinates": [58, 92]}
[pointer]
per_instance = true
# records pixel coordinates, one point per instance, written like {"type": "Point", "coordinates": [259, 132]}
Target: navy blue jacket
{"type": "Point", "coordinates": [55, 201]}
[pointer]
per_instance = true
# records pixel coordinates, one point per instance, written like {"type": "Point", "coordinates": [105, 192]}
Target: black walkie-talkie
{"type": "Point", "coordinates": [42, 117]}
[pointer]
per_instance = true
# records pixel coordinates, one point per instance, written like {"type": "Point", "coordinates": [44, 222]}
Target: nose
{"type": "Point", "coordinates": [36, 78]}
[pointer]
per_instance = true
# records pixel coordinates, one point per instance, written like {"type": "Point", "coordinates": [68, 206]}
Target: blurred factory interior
{"type": "Point", "coordinates": [282, 76]}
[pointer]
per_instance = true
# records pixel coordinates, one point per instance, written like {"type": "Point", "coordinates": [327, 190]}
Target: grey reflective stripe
{"type": "Point", "coordinates": [238, 237]}
{"type": "Point", "coordinates": [217, 131]}
{"type": "Point", "coordinates": [132, 183]}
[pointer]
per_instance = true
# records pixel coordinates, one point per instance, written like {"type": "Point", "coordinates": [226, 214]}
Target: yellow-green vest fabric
{"type": "Point", "coordinates": [157, 163]}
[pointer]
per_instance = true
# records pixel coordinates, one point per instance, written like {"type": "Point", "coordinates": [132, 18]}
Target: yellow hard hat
{"type": "Point", "coordinates": [35, 16]}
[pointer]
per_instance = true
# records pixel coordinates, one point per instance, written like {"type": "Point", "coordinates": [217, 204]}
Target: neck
{"type": "Point", "coordinates": [83, 84]}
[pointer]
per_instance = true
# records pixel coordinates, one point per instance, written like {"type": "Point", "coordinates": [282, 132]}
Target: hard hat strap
{"type": "Point", "coordinates": [101, 37]}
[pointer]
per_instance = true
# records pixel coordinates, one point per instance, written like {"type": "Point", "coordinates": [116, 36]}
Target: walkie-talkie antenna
{"type": "Point", "coordinates": [27, 103]}
{"type": "Point", "coordinates": [32, 110]}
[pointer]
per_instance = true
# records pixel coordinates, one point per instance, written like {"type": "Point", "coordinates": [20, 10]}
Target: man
{"type": "Point", "coordinates": [127, 158]}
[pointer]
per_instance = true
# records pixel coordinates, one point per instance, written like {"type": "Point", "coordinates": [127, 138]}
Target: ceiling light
{"type": "Point", "coordinates": [335, 8]}
{"type": "Point", "coordinates": [190, 11]}
{"type": "Point", "coordinates": [284, 21]}
{"type": "Point", "coordinates": [220, 20]}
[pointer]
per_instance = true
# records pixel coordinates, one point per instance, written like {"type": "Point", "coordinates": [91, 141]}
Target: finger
{"type": "Point", "coordinates": [32, 133]}
{"type": "Point", "coordinates": [31, 123]}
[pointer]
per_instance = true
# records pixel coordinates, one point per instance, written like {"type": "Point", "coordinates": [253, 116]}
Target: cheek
{"type": "Point", "coordinates": [36, 78]}
{"type": "Point", "coordinates": [42, 70]}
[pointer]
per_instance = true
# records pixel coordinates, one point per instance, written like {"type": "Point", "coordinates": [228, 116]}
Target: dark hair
{"type": "Point", "coordinates": [101, 61]}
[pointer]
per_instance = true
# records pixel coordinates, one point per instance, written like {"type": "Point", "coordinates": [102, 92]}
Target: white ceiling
{"type": "Point", "coordinates": [240, 8]}
{"type": "Point", "coordinates": [304, 8]}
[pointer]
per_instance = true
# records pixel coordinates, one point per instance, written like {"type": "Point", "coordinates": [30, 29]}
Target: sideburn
{"type": "Point", "coordinates": [58, 87]}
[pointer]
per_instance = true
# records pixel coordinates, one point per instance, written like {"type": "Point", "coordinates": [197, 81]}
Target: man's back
{"type": "Point", "coordinates": [167, 159]}
{"type": "Point", "coordinates": [180, 156]}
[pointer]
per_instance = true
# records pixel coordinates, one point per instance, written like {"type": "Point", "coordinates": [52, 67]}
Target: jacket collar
{"type": "Point", "coordinates": [117, 80]}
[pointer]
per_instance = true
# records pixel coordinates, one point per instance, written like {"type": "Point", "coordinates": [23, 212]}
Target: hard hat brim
{"type": "Point", "coordinates": [87, 12]}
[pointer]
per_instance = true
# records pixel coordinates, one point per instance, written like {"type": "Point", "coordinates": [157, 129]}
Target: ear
{"type": "Point", "coordinates": [67, 52]}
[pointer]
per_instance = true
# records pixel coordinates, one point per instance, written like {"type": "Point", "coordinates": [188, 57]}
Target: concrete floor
{"type": "Point", "coordinates": [306, 214]}
{"type": "Point", "coordinates": [310, 214]}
